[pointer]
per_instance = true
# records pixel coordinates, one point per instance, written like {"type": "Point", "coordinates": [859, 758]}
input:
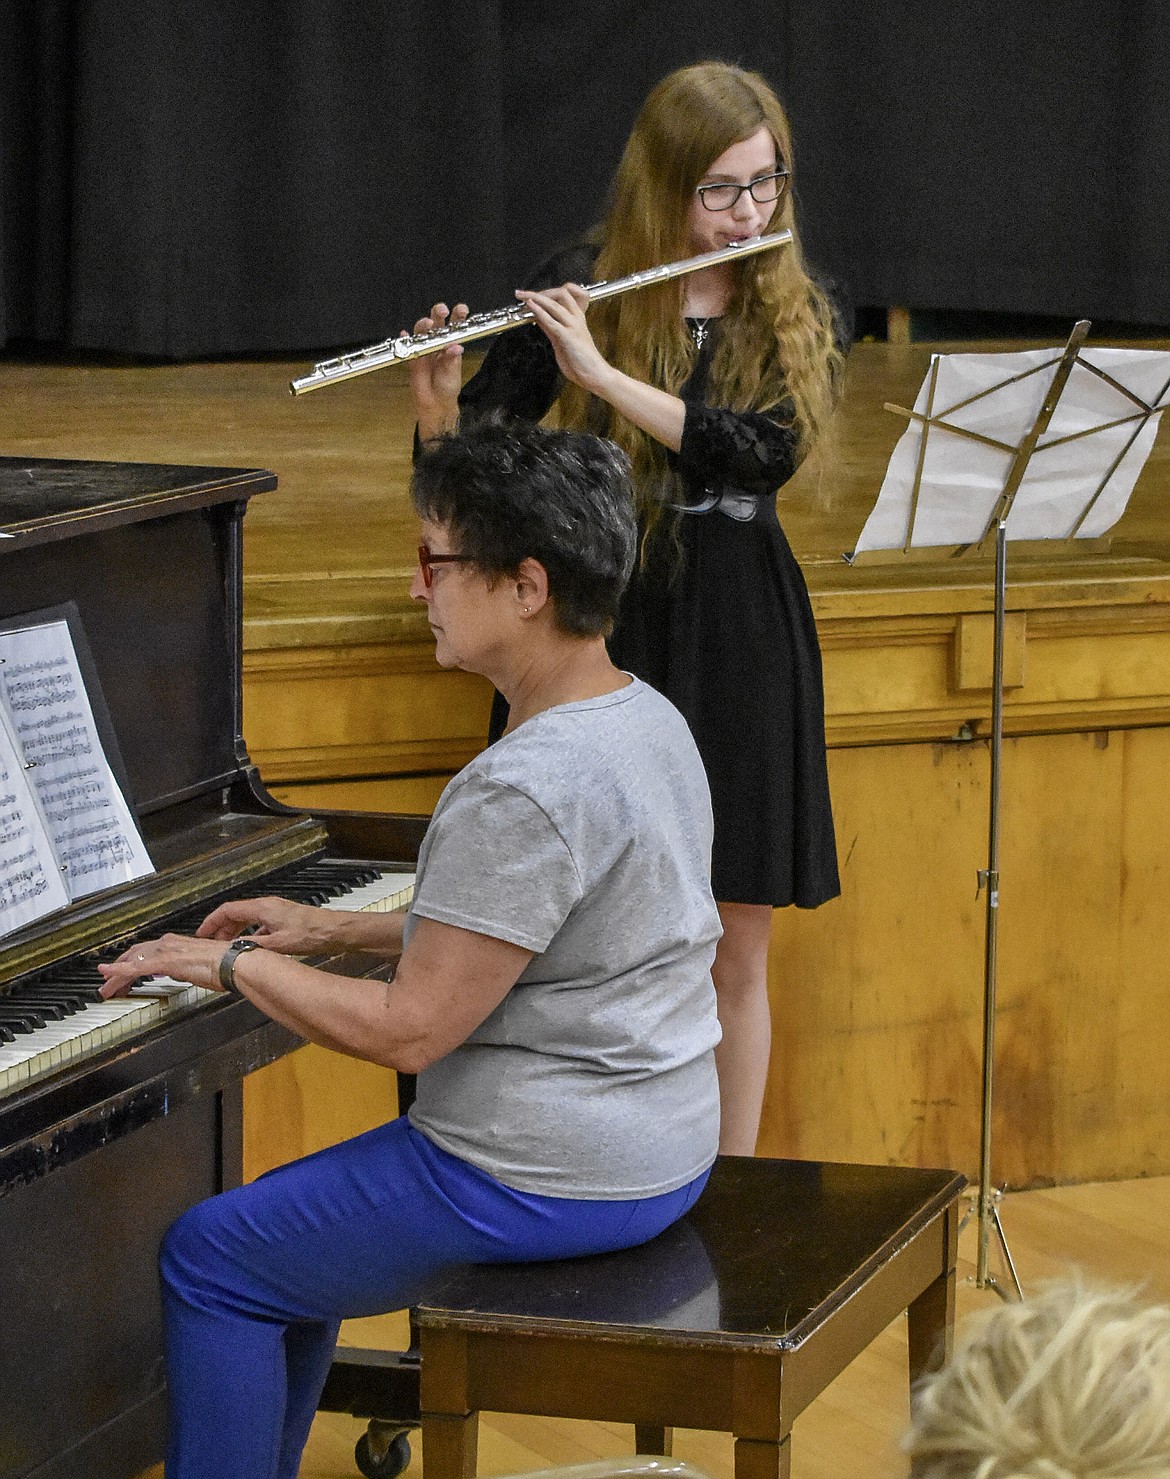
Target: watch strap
{"type": "Point", "coordinates": [227, 964]}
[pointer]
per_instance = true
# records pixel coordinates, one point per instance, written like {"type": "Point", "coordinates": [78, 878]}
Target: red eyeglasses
{"type": "Point", "coordinates": [426, 562]}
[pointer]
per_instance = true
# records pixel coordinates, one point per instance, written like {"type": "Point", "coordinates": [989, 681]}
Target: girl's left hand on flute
{"type": "Point", "coordinates": [436, 379]}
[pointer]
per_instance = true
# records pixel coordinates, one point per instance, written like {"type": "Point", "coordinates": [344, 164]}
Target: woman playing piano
{"type": "Point", "coordinates": [716, 384]}
{"type": "Point", "coordinates": [554, 993]}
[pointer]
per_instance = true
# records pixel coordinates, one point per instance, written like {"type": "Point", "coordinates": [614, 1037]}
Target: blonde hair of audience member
{"type": "Point", "coordinates": [1071, 1384]}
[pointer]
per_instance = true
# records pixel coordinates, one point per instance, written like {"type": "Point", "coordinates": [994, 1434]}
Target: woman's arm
{"type": "Point", "coordinates": [518, 375]}
{"type": "Point", "coordinates": [448, 981]}
{"type": "Point", "coordinates": [753, 451]}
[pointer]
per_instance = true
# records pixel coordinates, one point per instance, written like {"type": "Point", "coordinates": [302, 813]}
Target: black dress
{"type": "Point", "coordinates": [726, 632]}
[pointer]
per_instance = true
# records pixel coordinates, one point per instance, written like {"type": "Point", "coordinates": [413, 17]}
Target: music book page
{"type": "Point", "coordinates": [30, 876]}
{"type": "Point", "coordinates": [90, 826]}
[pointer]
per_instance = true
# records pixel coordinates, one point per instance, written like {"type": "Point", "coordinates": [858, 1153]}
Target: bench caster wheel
{"type": "Point", "coordinates": [383, 1450]}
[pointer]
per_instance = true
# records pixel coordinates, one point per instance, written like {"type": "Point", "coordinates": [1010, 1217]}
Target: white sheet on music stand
{"type": "Point", "coordinates": [962, 479]}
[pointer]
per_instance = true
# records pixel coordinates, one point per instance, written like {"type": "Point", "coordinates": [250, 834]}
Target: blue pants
{"type": "Point", "coordinates": [256, 1281]}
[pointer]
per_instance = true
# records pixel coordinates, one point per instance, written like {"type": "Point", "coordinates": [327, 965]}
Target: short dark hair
{"type": "Point", "coordinates": [514, 491]}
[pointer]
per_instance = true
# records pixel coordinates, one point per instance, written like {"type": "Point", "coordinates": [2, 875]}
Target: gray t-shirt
{"type": "Point", "coordinates": [585, 836]}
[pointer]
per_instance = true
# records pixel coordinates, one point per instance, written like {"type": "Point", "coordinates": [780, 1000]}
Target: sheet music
{"type": "Point", "coordinates": [30, 878]}
{"type": "Point", "coordinates": [960, 480]}
{"type": "Point", "coordinates": [89, 822]}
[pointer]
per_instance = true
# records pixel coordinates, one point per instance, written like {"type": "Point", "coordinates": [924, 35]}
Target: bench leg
{"type": "Point", "coordinates": [449, 1444]}
{"type": "Point", "coordinates": [931, 1324]}
{"type": "Point", "coordinates": [931, 1317]}
{"type": "Point", "coordinates": [649, 1439]}
{"type": "Point", "coordinates": [760, 1460]}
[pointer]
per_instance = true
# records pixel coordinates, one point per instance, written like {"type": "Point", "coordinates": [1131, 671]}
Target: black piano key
{"type": "Point", "coordinates": [6, 1033]}
{"type": "Point", "coordinates": [75, 983]}
{"type": "Point", "coordinates": [67, 979]}
{"type": "Point", "coordinates": [50, 1011]}
{"type": "Point", "coordinates": [186, 923]}
{"type": "Point", "coordinates": [68, 1003]}
{"type": "Point", "coordinates": [24, 1022]}
{"type": "Point", "coordinates": [80, 996]}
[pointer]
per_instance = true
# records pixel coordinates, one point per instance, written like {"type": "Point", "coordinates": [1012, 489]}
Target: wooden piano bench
{"type": "Point", "coordinates": [732, 1320]}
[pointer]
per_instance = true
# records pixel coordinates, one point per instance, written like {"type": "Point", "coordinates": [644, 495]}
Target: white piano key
{"type": "Point", "coordinates": [167, 989]}
{"type": "Point", "coordinates": [386, 893]}
{"type": "Point", "coordinates": [57, 1045]}
{"type": "Point", "coordinates": [14, 1071]}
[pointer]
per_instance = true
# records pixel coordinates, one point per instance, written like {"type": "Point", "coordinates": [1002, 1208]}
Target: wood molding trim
{"type": "Point", "coordinates": [320, 712]}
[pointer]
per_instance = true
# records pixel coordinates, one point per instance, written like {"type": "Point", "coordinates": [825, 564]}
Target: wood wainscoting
{"type": "Point", "coordinates": [877, 997]}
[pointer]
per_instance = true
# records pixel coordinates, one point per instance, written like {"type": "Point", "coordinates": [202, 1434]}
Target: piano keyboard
{"type": "Point", "coordinates": [389, 891]}
{"type": "Point", "coordinates": [57, 1019]}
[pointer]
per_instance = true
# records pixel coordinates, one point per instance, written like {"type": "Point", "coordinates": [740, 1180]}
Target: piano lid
{"type": "Point", "coordinates": [45, 498]}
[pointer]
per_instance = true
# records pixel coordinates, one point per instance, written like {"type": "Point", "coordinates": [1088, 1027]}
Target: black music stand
{"type": "Point", "coordinates": [1097, 494]}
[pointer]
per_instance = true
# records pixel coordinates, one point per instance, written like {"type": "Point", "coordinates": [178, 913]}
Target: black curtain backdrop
{"type": "Point", "coordinates": [289, 175]}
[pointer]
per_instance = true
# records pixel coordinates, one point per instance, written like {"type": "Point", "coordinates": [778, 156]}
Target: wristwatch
{"type": "Point", "coordinates": [227, 964]}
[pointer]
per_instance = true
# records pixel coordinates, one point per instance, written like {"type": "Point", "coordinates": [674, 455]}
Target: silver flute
{"type": "Point", "coordinates": [482, 325]}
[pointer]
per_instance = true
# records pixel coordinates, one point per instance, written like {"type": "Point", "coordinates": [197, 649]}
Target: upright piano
{"type": "Point", "coordinates": [103, 1142]}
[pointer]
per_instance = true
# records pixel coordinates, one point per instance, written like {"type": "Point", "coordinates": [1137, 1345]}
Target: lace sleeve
{"type": "Point", "coordinates": [752, 451]}
{"type": "Point", "coordinates": [747, 450]}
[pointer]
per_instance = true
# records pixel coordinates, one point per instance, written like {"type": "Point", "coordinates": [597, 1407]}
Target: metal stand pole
{"type": "Point", "coordinates": [988, 1196]}
{"type": "Point", "coordinates": [989, 878]}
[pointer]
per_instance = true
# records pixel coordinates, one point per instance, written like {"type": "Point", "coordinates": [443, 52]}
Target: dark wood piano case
{"type": "Point", "coordinates": [97, 1160]}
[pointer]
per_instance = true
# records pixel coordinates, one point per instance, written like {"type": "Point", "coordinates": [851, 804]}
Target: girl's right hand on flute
{"type": "Point", "coordinates": [436, 379]}
{"type": "Point", "coordinates": [560, 312]}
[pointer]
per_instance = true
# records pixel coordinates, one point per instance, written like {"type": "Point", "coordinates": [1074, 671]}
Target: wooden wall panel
{"type": "Point", "coordinates": [327, 713]}
{"type": "Point", "coordinates": [308, 1100]}
{"type": "Point", "coordinates": [416, 794]}
{"type": "Point", "coordinates": [877, 997]}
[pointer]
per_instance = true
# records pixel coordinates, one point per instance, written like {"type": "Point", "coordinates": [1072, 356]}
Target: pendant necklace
{"type": "Point", "coordinates": [700, 331]}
